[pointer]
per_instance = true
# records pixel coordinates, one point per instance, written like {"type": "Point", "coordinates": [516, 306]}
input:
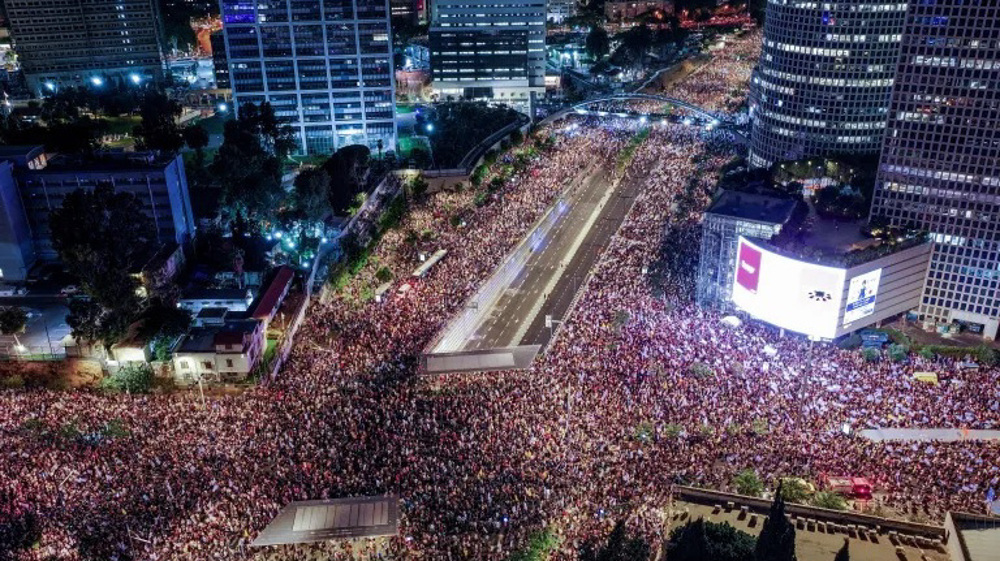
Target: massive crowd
{"type": "Point", "coordinates": [479, 461]}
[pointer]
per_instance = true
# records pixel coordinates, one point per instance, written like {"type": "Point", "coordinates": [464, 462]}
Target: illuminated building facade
{"type": "Point", "coordinates": [822, 85]}
{"type": "Point", "coordinates": [940, 165]}
{"type": "Point", "coordinates": [86, 42]}
{"type": "Point", "coordinates": [488, 49]}
{"type": "Point", "coordinates": [325, 67]}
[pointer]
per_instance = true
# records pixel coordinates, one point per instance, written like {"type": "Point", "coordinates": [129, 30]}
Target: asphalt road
{"type": "Point", "coordinates": [567, 253]}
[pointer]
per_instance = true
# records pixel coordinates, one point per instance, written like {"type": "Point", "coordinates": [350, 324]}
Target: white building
{"type": "Point", "coordinates": [219, 354]}
{"type": "Point", "coordinates": [482, 49]}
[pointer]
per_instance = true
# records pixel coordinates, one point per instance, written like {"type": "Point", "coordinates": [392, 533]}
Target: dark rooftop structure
{"type": "Point", "coordinates": [318, 521]}
{"type": "Point", "coordinates": [753, 206]}
{"type": "Point", "coordinates": [205, 339]}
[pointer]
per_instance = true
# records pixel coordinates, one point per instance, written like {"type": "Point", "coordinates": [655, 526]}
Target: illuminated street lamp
{"type": "Point", "coordinates": [136, 79]}
{"type": "Point", "coordinates": [97, 81]}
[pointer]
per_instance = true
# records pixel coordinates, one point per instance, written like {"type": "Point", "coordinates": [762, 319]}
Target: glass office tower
{"type": "Point", "coordinates": [325, 66]}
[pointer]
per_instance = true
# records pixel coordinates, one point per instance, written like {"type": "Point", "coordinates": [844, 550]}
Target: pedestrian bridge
{"type": "Point", "coordinates": [650, 97]}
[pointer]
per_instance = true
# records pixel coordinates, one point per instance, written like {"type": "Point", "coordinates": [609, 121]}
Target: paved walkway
{"type": "Point", "coordinates": [944, 435]}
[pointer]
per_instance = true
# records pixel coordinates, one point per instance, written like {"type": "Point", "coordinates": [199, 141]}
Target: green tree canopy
{"type": "Point", "coordinates": [159, 129]}
{"type": "Point", "coordinates": [598, 44]}
{"type": "Point", "coordinates": [12, 319]}
{"type": "Point", "coordinates": [103, 236]}
{"type": "Point", "coordinates": [248, 165]}
{"type": "Point", "coordinates": [311, 198]}
{"type": "Point", "coordinates": [347, 169]}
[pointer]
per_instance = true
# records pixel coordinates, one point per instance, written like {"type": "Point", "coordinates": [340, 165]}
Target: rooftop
{"type": "Point", "coordinates": [204, 339]}
{"type": "Point", "coordinates": [978, 535]}
{"type": "Point", "coordinates": [753, 206]}
{"type": "Point", "coordinates": [271, 296]}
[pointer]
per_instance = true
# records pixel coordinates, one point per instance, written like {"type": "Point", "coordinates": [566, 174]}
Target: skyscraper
{"type": "Point", "coordinates": [86, 42]}
{"type": "Point", "coordinates": [824, 78]}
{"type": "Point", "coordinates": [325, 66]}
{"type": "Point", "coordinates": [940, 166]}
{"type": "Point", "coordinates": [488, 49]}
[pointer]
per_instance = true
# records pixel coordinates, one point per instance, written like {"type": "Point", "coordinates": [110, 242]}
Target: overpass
{"type": "Point", "coordinates": [649, 97]}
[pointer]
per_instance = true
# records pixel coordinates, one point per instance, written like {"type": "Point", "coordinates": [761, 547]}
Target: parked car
{"type": "Point", "coordinates": [70, 290]}
{"type": "Point", "coordinates": [13, 291]}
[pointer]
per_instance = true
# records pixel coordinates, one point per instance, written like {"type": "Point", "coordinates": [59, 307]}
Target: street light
{"type": "Point", "coordinates": [50, 86]}
{"type": "Point", "coordinates": [430, 127]}
{"type": "Point", "coordinates": [135, 78]}
{"type": "Point", "coordinates": [97, 81]}
{"type": "Point", "coordinates": [223, 108]}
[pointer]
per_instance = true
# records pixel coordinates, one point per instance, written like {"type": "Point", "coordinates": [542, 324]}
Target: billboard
{"type": "Point", "coordinates": [798, 296]}
{"type": "Point", "coordinates": [861, 294]}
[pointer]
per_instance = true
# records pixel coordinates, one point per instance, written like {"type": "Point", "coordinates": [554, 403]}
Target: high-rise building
{"type": "Point", "coordinates": [488, 49]}
{"type": "Point", "coordinates": [220, 65]}
{"type": "Point", "coordinates": [940, 165]}
{"type": "Point", "coordinates": [822, 85]}
{"type": "Point", "coordinates": [325, 67]}
{"type": "Point", "coordinates": [86, 42]}
{"type": "Point", "coordinates": [559, 10]}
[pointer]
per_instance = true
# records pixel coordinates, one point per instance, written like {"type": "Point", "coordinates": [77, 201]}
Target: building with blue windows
{"type": "Point", "coordinates": [325, 66]}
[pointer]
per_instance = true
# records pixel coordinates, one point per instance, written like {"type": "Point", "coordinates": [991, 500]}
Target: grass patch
{"type": "Point", "coordinates": [627, 153]}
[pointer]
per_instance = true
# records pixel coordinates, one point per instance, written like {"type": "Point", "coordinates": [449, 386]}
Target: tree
{"type": "Point", "coordinates": [159, 129]}
{"type": "Point", "coordinates": [794, 490]}
{"type": "Point", "coordinates": [844, 554]}
{"type": "Point", "coordinates": [699, 540]}
{"type": "Point", "coordinates": [311, 197]}
{"type": "Point", "coordinates": [196, 138]}
{"type": "Point", "coordinates": [102, 237]}
{"type": "Point", "coordinates": [619, 547]}
{"type": "Point", "coordinates": [832, 501]}
{"type": "Point", "coordinates": [12, 319]}
{"type": "Point", "coordinates": [249, 165]}
{"type": "Point", "coordinates": [598, 44]}
{"type": "Point", "coordinates": [348, 172]}
{"type": "Point", "coordinates": [777, 537]}
{"type": "Point", "coordinates": [134, 378]}
{"type": "Point", "coordinates": [747, 483]}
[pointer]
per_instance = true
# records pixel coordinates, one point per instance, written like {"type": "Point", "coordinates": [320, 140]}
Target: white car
{"type": "Point", "coordinates": [70, 290]}
{"type": "Point", "coordinates": [13, 291]}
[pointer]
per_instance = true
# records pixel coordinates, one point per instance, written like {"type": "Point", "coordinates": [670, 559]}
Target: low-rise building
{"type": "Point", "coordinates": [226, 353]}
{"type": "Point", "coordinates": [267, 304]}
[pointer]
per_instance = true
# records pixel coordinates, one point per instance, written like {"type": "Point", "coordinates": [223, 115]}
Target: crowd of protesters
{"type": "Point", "coordinates": [639, 391]}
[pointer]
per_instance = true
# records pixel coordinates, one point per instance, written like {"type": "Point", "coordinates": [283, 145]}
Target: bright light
{"type": "Point", "coordinates": [430, 127]}
{"type": "Point", "coordinates": [687, 120]}
{"type": "Point", "coordinates": [643, 119]}
{"type": "Point", "coordinates": [50, 86]}
{"type": "Point", "coordinates": [223, 107]}
{"type": "Point", "coordinates": [278, 235]}
{"type": "Point", "coordinates": [291, 245]}
{"type": "Point", "coordinates": [135, 78]}
{"type": "Point", "coordinates": [97, 81]}
{"type": "Point", "coordinates": [798, 296]}
{"type": "Point", "coordinates": [324, 240]}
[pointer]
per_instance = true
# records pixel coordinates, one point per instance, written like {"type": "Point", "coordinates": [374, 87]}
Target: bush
{"type": "Point", "coordinates": [747, 483]}
{"type": "Point", "coordinates": [540, 546]}
{"type": "Point", "coordinates": [870, 354]}
{"type": "Point", "coordinates": [481, 198]}
{"type": "Point", "coordinates": [701, 370]}
{"type": "Point", "coordinates": [898, 353]}
{"type": "Point", "coordinates": [794, 490]}
{"type": "Point", "coordinates": [383, 274]}
{"type": "Point", "coordinates": [13, 382]}
{"type": "Point", "coordinates": [672, 430]}
{"type": "Point", "coordinates": [131, 379]}
{"type": "Point", "coordinates": [832, 501]}
{"type": "Point", "coordinates": [927, 353]}
{"type": "Point", "coordinates": [851, 342]}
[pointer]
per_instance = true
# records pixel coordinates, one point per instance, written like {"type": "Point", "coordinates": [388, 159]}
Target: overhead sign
{"type": "Point", "coordinates": [861, 294]}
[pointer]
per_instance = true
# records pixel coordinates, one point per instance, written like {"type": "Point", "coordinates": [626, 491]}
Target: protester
{"type": "Point", "coordinates": [639, 391]}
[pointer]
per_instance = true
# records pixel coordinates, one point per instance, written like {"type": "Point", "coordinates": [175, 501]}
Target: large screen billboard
{"type": "Point", "coordinates": [861, 294]}
{"type": "Point", "coordinates": [791, 294]}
